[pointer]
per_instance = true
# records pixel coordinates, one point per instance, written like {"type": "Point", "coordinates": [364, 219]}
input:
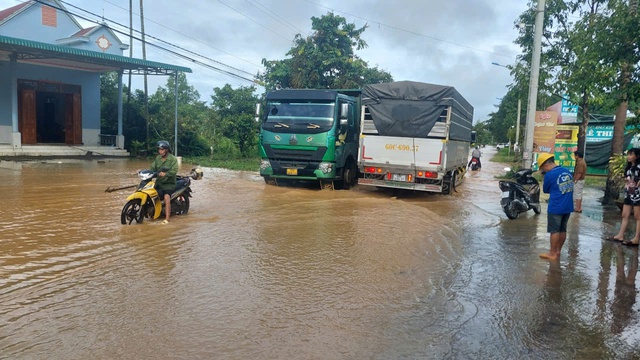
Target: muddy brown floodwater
{"type": "Point", "coordinates": [264, 272]}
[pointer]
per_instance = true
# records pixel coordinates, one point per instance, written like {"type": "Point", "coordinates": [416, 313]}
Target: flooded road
{"type": "Point", "coordinates": [257, 271]}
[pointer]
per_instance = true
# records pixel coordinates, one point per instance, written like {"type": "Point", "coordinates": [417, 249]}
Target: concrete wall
{"type": "Point", "coordinates": [5, 102]}
{"type": "Point", "coordinates": [5, 134]}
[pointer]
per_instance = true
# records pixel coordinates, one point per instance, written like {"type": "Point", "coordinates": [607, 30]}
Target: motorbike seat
{"type": "Point", "coordinates": [180, 183]}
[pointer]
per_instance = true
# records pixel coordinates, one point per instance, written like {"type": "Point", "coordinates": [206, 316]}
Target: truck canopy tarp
{"type": "Point", "coordinates": [410, 109]}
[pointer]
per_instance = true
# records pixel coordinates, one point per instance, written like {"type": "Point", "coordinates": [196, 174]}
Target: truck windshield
{"type": "Point", "coordinates": [299, 116]}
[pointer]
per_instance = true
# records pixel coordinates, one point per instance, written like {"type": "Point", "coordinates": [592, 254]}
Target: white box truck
{"type": "Point", "coordinates": [414, 136]}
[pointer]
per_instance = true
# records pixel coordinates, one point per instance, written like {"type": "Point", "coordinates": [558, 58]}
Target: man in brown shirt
{"type": "Point", "coordinates": [579, 173]}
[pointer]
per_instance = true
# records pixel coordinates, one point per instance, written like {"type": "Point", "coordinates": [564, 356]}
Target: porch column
{"type": "Point", "coordinates": [120, 136]}
{"type": "Point", "coordinates": [16, 138]}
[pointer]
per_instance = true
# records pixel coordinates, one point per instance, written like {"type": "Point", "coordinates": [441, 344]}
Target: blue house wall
{"type": "Point", "coordinates": [35, 24]}
{"type": "Point", "coordinates": [35, 30]}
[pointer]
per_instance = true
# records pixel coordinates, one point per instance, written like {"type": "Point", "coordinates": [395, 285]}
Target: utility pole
{"type": "Point", "coordinates": [527, 155]}
{"type": "Point", "coordinates": [517, 141]}
{"type": "Point", "coordinates": [146, 89]}
{"type": "Point", "coordinates": [518, 124]}
{"type": "Point", "coordinates": [130, 55]}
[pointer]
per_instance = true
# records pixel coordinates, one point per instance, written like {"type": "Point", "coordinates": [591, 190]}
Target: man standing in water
{"type": "Point", "coordinates": [558, 183]}
{"type": "Point", "coordinates": [579, 174]}
{"type": "Point", "coordinates": [167, 165]}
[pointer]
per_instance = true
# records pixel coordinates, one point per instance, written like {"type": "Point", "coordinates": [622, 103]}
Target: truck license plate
{"type": "Point", "coordinates": [292, 171]}
{"type": "Point", "coordinates": [505, 194]}
{"type": "Point", "coordinates": [398, 177]}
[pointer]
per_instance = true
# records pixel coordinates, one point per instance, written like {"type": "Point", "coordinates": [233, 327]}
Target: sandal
{"type": "Point", "coordinates": [629, 243]}
{"type": "Point", "coordinates": [612, 238]}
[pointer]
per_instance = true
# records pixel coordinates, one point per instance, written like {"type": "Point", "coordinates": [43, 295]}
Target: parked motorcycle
{"type": "Point", "coordinates": [145, 202]}
{"type": "Point", "coordinates": [520, 195]}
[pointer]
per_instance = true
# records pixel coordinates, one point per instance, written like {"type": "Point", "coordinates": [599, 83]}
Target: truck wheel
{"type": "Point", "coordinates": [348, 176]}
{"type": "Point", "coordinates": [270, 181]}
{"type": "Point", "coordinates": [448, 183]}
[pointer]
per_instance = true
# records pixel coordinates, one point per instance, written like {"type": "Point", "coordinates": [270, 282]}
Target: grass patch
{"type": "Point", "coordinates": [504, 156]}
{"type": "Point", "coordinates": [245, 164]}
{"type": "Point", "coordinates": [596, 181]}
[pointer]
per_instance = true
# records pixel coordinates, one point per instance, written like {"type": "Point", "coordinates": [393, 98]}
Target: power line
{"type": "Point", "coordinates": [221, 2]}
{"type": "Point", "coordinates": [172, 52]}
{"type": "Point", "coordinates": [411, 32]}
{"type": "Point", "coordinates": [274, 15]}
{"type": "Point", "coordinates": [156, 38]}
{"type": "Point", "coordinates": [187, 36]}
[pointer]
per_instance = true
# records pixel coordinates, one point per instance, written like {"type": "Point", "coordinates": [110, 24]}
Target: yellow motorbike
{"type": "Point", "coordinates": [145, 202]}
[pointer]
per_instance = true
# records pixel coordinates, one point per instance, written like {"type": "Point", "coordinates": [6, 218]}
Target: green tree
{"type": "Point", "coordinates": [109, 103]}
{"type": "Point", "coordinates": [235, 118]}
{"type": "Point", "coordinates": [133, 123]}
{"type": "Point", "coordinates": [192, 115]}
{"type": "Point", "coordinates": [325, 59]}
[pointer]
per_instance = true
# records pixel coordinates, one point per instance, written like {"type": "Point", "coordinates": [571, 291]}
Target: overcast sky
{"type": "Point", "coordinates": [450, 42]}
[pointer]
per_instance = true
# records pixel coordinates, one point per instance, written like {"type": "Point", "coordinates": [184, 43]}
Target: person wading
{"type": "Point", "coordinates": [579, 174]}
{"type": "Point", "coordinates": [558, 183]}
{"type": "Point", "coordinates": [631, 197]}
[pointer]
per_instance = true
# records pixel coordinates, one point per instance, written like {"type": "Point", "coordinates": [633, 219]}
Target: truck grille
{"type": "Point", "coordinates": [295, 154]}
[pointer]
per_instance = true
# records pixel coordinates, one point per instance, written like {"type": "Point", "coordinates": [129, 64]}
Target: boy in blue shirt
{"type": "Point", "coordinates": [558, 183]}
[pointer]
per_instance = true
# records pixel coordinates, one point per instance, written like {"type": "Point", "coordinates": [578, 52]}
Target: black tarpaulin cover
{"type": "Point", "coordinates": [597, 153]}
{"type": "Point", "coordinates": [410, 109]}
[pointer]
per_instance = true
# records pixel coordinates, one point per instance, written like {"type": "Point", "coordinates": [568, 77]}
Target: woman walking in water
{"type": "Point", "coordinates": [631, 197]}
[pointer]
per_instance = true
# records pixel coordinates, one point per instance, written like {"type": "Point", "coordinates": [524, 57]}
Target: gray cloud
{"type": "Point", "coordinates": [446, 42]}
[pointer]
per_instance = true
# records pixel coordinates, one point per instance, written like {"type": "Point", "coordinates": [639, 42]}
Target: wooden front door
{"type": "Point", "coordinates": [73, 119]}
{"type": "Point", "coordinates": [27, 116]}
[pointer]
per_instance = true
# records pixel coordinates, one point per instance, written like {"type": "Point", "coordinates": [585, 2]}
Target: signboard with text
{"type": "Point", "coordinates": [544, 135]}
{"type": "Point", "coordinates": [569, 111]}
{"type": "Point", "coordinates": [566, 144]}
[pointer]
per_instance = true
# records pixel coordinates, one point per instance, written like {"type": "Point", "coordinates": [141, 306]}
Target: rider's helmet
{"type": "Point", "coordinates": [543, 158]}
{"type": "Point", "coordinates": [162, 144]}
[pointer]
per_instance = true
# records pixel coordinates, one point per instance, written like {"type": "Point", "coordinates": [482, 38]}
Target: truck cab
{"type": "Point", "coordinates": [310, 135]}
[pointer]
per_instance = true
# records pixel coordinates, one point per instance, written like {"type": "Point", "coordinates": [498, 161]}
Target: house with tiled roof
{"type": "Point", "coordinates": [50, 78]}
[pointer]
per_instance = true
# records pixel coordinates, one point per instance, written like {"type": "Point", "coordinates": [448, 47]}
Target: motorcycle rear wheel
{"type": "Point", "coordinates": [132, 210]}
{"type": "Point", "coordinates": [510, 210]}
{"type": "Point", "coordinates": [181, 204]}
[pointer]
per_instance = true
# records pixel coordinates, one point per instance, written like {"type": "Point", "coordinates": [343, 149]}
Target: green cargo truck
{"type": "Point", "coordinates": [311, 135]}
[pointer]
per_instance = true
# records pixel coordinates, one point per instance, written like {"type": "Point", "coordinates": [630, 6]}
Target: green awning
{"type": "Point", "coordinates": [44, 54]}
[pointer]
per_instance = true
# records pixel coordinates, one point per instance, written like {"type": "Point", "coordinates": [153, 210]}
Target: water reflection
{"type": "Point", "coordinates": [624, 295]}
{"type": "Point", "coordinates": [265, 272]}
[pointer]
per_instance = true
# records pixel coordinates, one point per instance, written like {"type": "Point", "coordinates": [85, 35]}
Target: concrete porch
{"type": "Point", "coordinates": [7, 152]}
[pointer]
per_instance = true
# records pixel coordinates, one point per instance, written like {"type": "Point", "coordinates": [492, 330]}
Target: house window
{"type": "Point", "coordinates": [49, 16]}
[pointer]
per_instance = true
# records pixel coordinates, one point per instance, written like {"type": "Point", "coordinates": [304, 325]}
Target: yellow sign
{"type": "Point", "coordinates": [292, 171]}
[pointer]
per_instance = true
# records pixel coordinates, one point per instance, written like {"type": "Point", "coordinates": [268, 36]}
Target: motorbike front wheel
{"type": "Point", "coordinates": [536, 209]}
{"type": "Point", "coordinates": [132, 210]}
{"type": "Point", "coordinates": [510, 210]}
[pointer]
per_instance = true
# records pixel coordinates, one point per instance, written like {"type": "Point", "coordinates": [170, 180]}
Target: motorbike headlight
{"type": "Point", "coordinates": [145, 174]}
{"type": "Point", "coordinates": [325, 167]}
{"type": "Point", "coordinates": [264, 164]}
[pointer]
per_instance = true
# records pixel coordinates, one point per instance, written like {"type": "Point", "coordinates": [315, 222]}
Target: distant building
{"type": "Point", "coordinates": [50, 77]}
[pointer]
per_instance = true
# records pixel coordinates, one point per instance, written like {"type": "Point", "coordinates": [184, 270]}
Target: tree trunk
{"type": "Point", "coordinates": [582, 134]}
